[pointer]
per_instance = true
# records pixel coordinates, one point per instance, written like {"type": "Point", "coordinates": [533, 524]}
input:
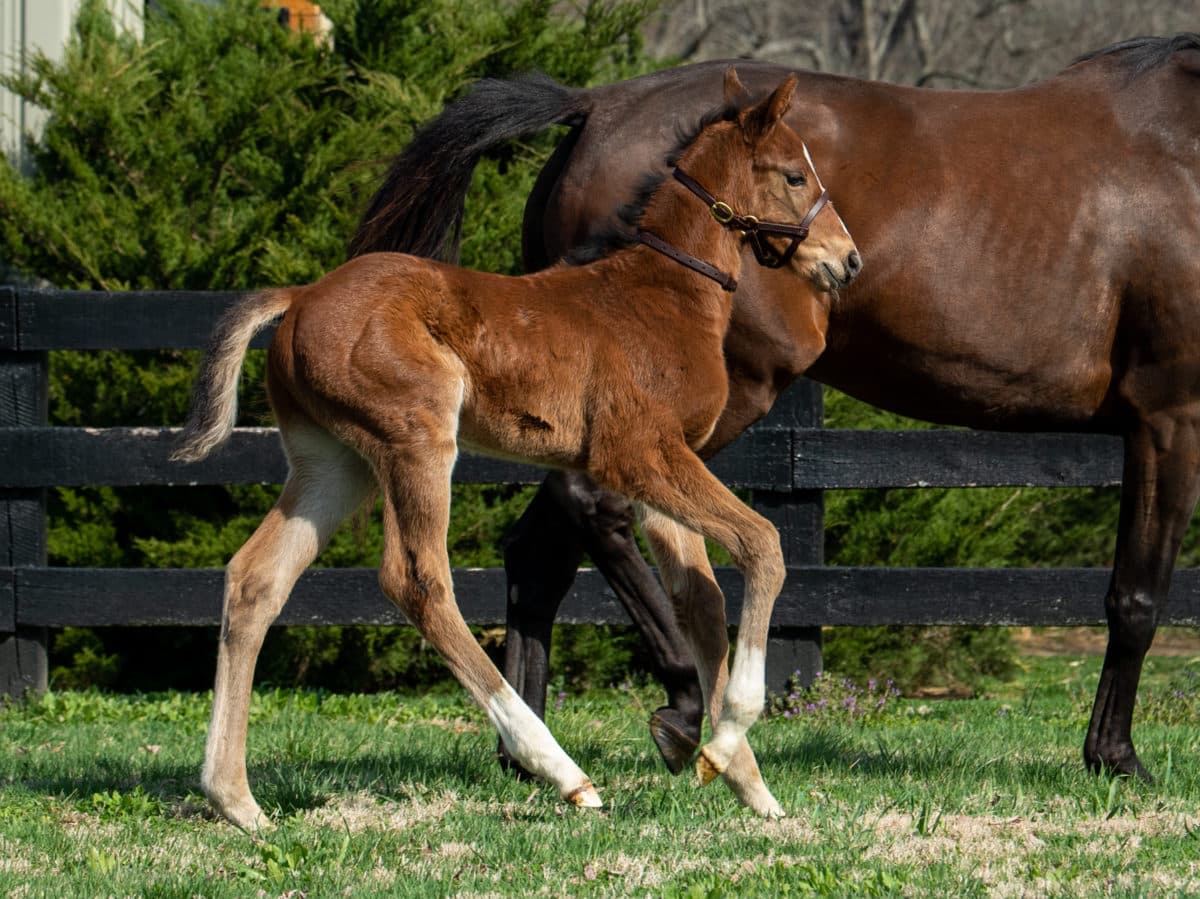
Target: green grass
{"type": "Point", "coordinates": [399, 795]}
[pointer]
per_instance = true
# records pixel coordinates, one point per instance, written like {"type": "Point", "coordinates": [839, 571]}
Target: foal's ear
{"type": "Point", "coordinates": [735, 92]}
{"type": "Point", "coordinates": [781, 100]}
{"type": "Point", "coordinates": [760, 119]}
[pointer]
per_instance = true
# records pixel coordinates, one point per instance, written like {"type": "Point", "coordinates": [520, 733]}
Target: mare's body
{"type": "Point", "coordinates": [1033, 262]}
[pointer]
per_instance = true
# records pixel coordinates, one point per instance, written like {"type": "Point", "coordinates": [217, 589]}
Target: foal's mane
{"type": "Point", "coordinates": [622, 235]}
{"type": "Point", "coordinates": [1141, 54]}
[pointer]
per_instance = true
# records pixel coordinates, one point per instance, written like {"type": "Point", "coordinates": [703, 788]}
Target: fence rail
{"type": "Point", "coordinates": [813, 596]}
{"type": "Point", "coordinates": [787, 461]}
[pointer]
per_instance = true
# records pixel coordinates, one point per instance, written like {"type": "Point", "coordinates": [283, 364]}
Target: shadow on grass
{"type": "Point", "coordinates": [289, 780]}
{"type": "Point", "coordinates": [898, 759]}
{"type": "Point", "coordinates": [285, 785]}
{"type": "Point", "coordinates": [390, 775]}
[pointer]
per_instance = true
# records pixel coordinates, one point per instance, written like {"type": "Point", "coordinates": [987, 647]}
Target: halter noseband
{"type": "Point", "coordinates": [754, 230]}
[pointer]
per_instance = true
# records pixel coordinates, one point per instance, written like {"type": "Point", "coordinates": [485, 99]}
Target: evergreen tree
{"type": "Point", "coordinates": [225, 152]}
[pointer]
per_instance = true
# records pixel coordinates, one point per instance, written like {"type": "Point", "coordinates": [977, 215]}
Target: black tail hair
{"type": "Point", "coordinates": [419, 207]}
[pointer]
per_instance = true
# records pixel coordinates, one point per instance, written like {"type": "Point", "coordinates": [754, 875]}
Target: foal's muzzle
{"type": "Point", "coordinates": [835, 279]}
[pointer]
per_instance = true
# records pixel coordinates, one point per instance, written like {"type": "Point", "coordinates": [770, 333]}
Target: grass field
{"type": "Point", "coordinates": [398, 795]}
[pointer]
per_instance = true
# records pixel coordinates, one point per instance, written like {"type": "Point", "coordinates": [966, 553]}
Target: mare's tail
{"type": "Point", "coordinates": [214, 399]}
{"type": "Point", "coordinates": [419, 208]}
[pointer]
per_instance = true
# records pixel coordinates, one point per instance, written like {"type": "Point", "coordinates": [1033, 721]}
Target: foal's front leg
{"type": "Point", "coordinates": [700, 606]}
{"type": "Point", "coordinates": [671, 479]}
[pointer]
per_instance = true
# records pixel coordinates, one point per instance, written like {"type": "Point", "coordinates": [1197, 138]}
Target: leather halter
{"type": "Point", "coordinates": [748, 225]}
{"type": "Point", "coordinates": [652, 240]}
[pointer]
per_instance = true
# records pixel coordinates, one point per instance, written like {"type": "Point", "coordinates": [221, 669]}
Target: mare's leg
{"type": "Point", "coordinates": [415, 574]}
{"type": "Point", "coordinates": [1159, 487]}
{"type": "Point", "coordinates": [569, 515]}
{"type": "Point", "coordinates": [670, 478]}
{"type": "Point", "coordinates": [542, 553]}
{"type": "Point", "coordinates": [688, 577]}
{"type": "Point", "coordinates": [326, 483]}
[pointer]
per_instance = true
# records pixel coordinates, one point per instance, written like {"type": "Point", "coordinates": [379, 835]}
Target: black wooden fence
{"type": "Point", "coordinates": [787, 462]}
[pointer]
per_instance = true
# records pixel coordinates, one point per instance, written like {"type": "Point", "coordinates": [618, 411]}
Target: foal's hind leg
{"type": "Point", "coordinates": [415, 574]}
{"type": "Point", "coordinates": [326, 483]}
{"type": "Point", "coordinates": [700, 606]}
{"type": "Point", "coordinates": [1159, 488]}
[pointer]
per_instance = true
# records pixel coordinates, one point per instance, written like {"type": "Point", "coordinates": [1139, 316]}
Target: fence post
{"type": "Point", "coordinates": [23, 403]}
{"type": "Point", "coordinates": [799, 516]}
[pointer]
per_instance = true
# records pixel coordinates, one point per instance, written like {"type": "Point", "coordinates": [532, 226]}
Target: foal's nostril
{"type": "Point", "coordinates": [854, 265]}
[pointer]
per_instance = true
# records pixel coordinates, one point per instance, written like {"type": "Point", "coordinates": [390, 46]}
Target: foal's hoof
{"type": "Point", "coordinates": [251, 820]}
{"type": "Point", "coordinates": [675, 738]}
{"type": "Point", "coordinates": [707, 769]}
{"type": "Point", "coordinates": [584, 796]}
{"type": "Point", "coordinates": [261, 827]}
{"type": "Point", "coordinates": [773, 813]}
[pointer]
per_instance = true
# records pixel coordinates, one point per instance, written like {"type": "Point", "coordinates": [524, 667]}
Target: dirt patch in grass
{"type": "Point", "coordinates": [634, 872]}
{"type": "Point", "coordinates": [12, 862]}
{"type": "Point", "coordinates": [362, 811]}
{"type": "Point", "coordinates": [1059, 641]}
{"type": "Point", "coordinates": [998, 850]}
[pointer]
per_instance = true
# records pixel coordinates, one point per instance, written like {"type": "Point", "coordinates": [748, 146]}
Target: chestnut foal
{"type": "Point", "coordinates": [614, 368]}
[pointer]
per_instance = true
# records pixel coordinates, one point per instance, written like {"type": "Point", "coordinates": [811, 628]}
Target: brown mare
{"type": "Point", "coordinates": [380, 369]}
{"type": "Point", "coordinates": [1034, 264]}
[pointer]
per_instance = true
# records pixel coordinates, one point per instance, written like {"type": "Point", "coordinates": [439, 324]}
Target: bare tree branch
{"type": "Point", "coordinates": [941, 43]}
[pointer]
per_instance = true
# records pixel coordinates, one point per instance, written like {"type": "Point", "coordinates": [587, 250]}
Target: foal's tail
{"type": "Point", "coordinates": [214, 400]}
{"type": "Point", "coordinates": [419, 208]}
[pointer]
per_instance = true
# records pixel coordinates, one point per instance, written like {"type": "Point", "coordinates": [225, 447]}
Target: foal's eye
{"type": "Point", "coordinates": [795, 179]}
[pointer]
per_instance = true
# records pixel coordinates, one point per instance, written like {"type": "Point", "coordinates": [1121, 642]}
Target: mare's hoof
{"type": "Point", "coordinates": [706, 769]}
{"type": "Point", "coordinates": [1121, 764]}
{"type": "Point", "coordinates": [585, 796]}
{"type": "Point", "coordinates": [1134, 769]}
{"type": "Point", "coordinates": [675, 738]}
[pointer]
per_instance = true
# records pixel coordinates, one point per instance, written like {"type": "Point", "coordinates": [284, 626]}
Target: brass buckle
{"type": "Point", "coordinates": [722, 212]}
{"type": "Point", "coordinates": [749, 220]}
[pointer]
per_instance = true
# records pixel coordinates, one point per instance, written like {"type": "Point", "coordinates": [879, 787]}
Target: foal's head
{"type": "Point", "coordinates": [767, 179]}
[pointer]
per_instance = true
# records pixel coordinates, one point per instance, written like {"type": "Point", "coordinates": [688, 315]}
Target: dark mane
{"type": "Point", "coordinates": [622, 235]}
{"type": "Point", "coordinates": [1141, 54]}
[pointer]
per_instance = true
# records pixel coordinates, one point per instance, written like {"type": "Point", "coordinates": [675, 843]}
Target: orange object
{"type": "Point", "coordinates": [301, 15]}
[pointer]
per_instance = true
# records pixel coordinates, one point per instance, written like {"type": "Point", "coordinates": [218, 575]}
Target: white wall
{"type": "Point", "coordinates": [45, 25]}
